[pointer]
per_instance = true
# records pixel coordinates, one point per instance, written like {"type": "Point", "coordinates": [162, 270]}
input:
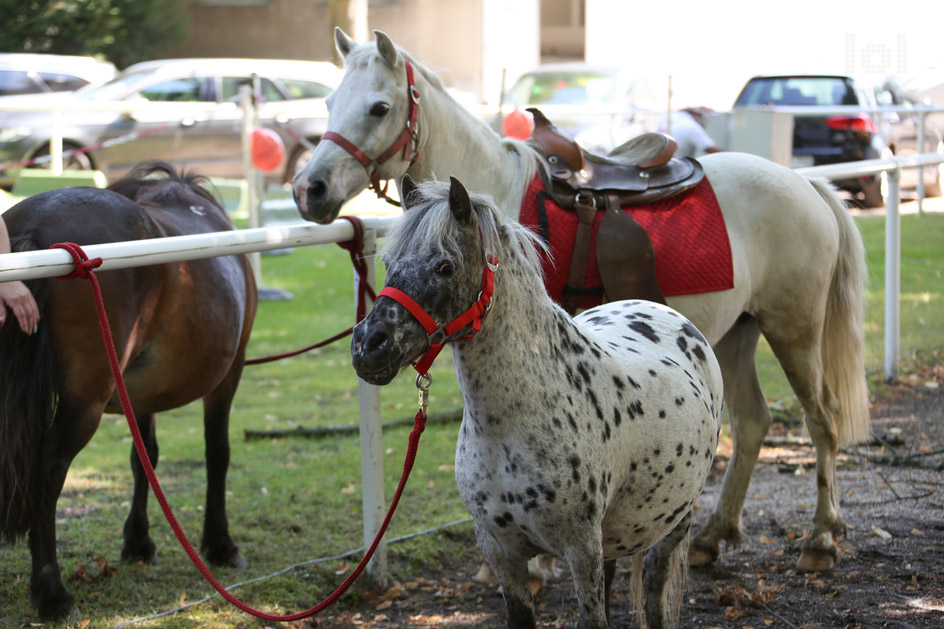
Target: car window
{"type": "Point", "coordinates": [231, 84]}
{"type": "Point", "coordinates": [59, 82]}
{"type": "Point", "coordinates": [563, 88]}
{"type": "Point", "coordinates": [306, 89]}
{"type": "Point", "coordinates": [823, 91]}
{"type": "Point", "coordinates": [17, 82]}
{"type": "Point", "coordinates": [185, 90]}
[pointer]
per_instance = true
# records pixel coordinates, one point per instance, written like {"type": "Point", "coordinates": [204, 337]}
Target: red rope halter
{"type": "Point", "coordinates": [83, 270]}
{"type": "Point", "coordinates": [407, 141]}
{"type": "Point", "coordinates": [439, 334]}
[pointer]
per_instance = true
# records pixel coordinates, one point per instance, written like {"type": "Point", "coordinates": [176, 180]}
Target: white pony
{"type": "Point", "coordinates": [589, 438]}
{"type": "Point", "coordinates": [798, 258]}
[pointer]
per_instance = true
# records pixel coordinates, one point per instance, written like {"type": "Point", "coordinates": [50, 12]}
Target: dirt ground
{"type": "Point", "coordinates": [890, 572]}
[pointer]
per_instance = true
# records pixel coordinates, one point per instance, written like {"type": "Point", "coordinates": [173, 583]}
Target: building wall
{"type": "Point", "coordinates": [462, 40]}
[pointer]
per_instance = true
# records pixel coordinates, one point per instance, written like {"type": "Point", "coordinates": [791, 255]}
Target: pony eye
{"type": "Point", "coordinates": [380, 110]}
{"type": "Point", "coordinates": [445, 269]}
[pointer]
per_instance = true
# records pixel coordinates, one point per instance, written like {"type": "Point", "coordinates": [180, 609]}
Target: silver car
{"type": "Point", "coordinates": [33, 73]}
{"type": "Point", "coordinates": [183, 111]}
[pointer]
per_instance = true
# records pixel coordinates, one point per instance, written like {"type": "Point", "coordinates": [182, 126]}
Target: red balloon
{"type": "Point", "coordinates": [266, 148]}
{"type": "Point", "coordinates": [518, 124]}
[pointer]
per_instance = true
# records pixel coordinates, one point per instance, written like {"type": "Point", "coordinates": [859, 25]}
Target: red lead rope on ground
{"type": "Point", "coordinates": [84, 270]}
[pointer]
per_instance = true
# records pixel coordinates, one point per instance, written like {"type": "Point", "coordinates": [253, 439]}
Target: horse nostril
{"type": "Point", "coordinates": [375, 341]}
{"type": "Point", "coordinates": [317, 192]}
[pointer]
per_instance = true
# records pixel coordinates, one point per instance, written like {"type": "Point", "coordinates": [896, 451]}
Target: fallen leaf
{"type": "Point", "coordinates": [732, 613]}
{"type": "Point", "coordinates": [881, 532]}
{"type": "Point", "coordinates": [392, 592]}
{"type": "Point", "coordinates": [80, 574]}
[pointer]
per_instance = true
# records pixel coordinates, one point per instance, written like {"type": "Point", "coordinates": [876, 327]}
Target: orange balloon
{"type": "Point", "coordinates": [518, 124]}
{"type": "Point", "coordinates": [266, 149]}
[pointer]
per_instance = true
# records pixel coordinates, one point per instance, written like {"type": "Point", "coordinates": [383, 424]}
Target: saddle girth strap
{"type": "Point", "coordinates": [586, 210]}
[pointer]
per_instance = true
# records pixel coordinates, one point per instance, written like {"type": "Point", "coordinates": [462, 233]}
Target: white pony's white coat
{"type": "Point", "coordinates": [588, 438]}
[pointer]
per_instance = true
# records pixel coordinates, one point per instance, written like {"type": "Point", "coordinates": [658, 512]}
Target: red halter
{"type": "Point", "coordinates": [407, 141]}
{"type": "Point", "coordinates": [439, 334]}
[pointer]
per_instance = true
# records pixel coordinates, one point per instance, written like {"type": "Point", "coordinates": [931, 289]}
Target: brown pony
{"type": "Point", "coordinates": [180, 331]}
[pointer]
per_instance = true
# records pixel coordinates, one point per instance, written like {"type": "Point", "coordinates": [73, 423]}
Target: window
{"type": "Point", "coordinates": [231, 85]}
{"type": "Point", "coordinates": [176, 90]}
{"type": "Point", "coordinates": [59, 82]}
{"type": "Point", "coordinates": [306, 89]}
{"type": "Point", "coordinates": [17, 82]}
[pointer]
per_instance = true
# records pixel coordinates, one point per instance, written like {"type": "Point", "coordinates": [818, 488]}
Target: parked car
{"type": "Point", "coordinates": [198, 123]}
{"type": "Point", "coordinates": [831, 139]}
{"type": "Point", "coordinates": [33, 73]}
{"type": "Point", "coordinates": [600, 106]}
{"type": "Point", "coordinates": [902, 132]}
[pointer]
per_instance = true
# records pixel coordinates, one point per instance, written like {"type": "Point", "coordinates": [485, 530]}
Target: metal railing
{"type": "Point", "coordinates": [891, 169]}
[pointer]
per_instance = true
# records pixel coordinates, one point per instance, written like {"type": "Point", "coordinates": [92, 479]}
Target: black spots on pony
{"type": "Point", "coordinates": [634, 410]}
{"type": "Point", "coordinates": [504, 519]}
{"type": "Point", "coordinates": [645, 330]}
{"type": "Point", "coordinates": [695, 351]}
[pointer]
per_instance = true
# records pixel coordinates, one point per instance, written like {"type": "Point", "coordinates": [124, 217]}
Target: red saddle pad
{"type": "Point", "coordinates": [693, 254]}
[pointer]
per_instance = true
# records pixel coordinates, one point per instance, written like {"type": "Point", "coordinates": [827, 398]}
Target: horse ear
{"type": "Point", "coordinates": [459, 201]}
{"type": "Point", "coordinates": [407, 188]}
{"type": "Point", "coordinates": [387, 48]}
{"type": "Point", "coordinates": [344, 43]}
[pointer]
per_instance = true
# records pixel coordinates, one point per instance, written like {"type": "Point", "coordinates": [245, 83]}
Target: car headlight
{"type": "Point", "coordinates": [14, 134]}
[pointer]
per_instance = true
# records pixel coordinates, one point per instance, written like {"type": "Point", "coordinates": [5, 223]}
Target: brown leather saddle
{"type": "Point", "coordinates": [638, 172]}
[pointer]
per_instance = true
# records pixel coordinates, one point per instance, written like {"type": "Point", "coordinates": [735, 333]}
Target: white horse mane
{"type": "Point", "coordinates": [428, 218]}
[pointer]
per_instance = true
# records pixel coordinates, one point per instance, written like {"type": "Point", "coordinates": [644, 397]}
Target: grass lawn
{"type": "Point", "coordinates": [294, 500]}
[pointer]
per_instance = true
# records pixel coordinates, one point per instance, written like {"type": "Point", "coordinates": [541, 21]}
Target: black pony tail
{"type": "Point", "coordinates": [28, 394]}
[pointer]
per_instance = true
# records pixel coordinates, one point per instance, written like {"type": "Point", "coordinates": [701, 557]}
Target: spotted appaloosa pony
{"type": "Point", "coordinates": [798, 261]}
{"type": "Point", "coordinates": [180, 330]}
{"type": "Point", "coordinates": [587, 438]}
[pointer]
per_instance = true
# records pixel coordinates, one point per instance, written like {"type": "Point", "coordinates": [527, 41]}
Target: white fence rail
{"type": "Point", "coordinates": [892, 170]}
{"type": "Point", "coordinates": [54, 262]}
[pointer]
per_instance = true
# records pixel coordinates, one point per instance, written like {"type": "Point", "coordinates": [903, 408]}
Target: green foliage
{"type": "Point", "coordinates": [121, 31]}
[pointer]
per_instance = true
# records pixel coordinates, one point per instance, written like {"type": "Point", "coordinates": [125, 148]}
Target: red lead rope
{"type": "Point", "coordinates": [84, 270]}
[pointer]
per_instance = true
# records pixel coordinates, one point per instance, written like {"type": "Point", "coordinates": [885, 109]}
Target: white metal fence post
{"type": "Point", "coordinates": [892, 275]}
{"type": "Point", "coordinates": [371, 432]}
{"type": "Point", "coordinates": [252, 191]}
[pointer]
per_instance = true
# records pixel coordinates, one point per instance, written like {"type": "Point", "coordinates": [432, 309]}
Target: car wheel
{"type": "Point", "coordinates": [76, 161]}
{"type": "Point", "coordinates": [300, 156]}
{"type": "Point", "coordinates": [933, 189]}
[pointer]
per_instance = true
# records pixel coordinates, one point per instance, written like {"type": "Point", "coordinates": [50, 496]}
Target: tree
{"type": "Point", "coordinates": [351, 16]}
{"type": "Point", "coordinates": [122, 31]}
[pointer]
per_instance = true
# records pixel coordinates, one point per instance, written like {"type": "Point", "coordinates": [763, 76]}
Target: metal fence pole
{"type": "Point", "coordinates": [252, 190]}
{"type": "Point", "coordinates": [892, 275]}
{"type": "Point", "coordinates": [921, 120]}
{"type": "Point", "coordinates": [371, 432]}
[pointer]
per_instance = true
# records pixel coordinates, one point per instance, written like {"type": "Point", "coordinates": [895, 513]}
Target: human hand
{"type": "Point", "coordinates": [19, 299]}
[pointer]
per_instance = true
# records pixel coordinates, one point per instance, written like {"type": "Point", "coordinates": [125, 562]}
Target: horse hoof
{"type": "Point", "coordinates": [237, 561]}
{"type": "Point", "coordinates": [816, 560]}
{"type": "Point", "coordinates": [67, 611]}
{"type": "Point", "coordinates": [702, 556]}
{"type": "Point", "coordinates": [485, 575]}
